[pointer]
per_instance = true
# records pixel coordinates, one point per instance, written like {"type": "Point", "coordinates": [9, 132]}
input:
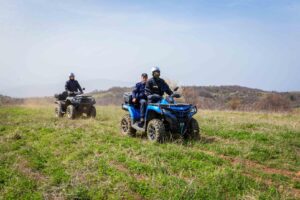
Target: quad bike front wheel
{"type": "Point", "coordinates": [156, 131]}
{"type": "Point", "coordinates": [58, 111]}
{"type": "Point", "coordinates": [194, 130]}
{"type": "Point", "coordinates": [126, 128]}
{"type": "Point", "coordinates": [71, 112]}
{"type": "Point", "coordinates": [92, 112]}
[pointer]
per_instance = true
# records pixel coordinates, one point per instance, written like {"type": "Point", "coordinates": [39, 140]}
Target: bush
{"type": "Point", "coordinates": [273, 102]}
{"type": "Point", "coordinates": [234, 103]}
{"type": "Point", "coordinates": [191, 95]}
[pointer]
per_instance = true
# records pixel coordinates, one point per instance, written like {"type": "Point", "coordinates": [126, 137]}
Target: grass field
{"type": "Point", "coordinates": [240, 156]}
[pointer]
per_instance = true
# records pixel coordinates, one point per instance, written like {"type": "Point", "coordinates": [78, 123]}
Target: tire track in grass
{"type": "Point", "coordinates": [165, 157]}
{"type": "Point", "coordinates": [236, 162]}
{"type": "Point", "coordinates": [124, 169]}
{"type": "Point", "coordinates": [101, 178]}
{"type": "Point", "coordinates": [252, 164]}
{"type": "Point", "coordinates": [22, 166]}
{"type": "Point", "coordinates": [142, 177]}
{"type": "Point", "coordinates": [144, 173]}
{"type": "Point", "coordinates": [292, 192]}
{"type": "Point", "coordinates": [118, 172]}
{"type": "Point", "coordinates": [248, 164]}
{"type": "Point", "coordinates": [147, 182]}
{"type": "Point", "coordinates": [130, 152]}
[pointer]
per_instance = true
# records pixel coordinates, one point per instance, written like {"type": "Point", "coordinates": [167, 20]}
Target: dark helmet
{"type": "Point", "coordinates": [144, 75]}
{"type": "Point", "coordinates": [71, 75]}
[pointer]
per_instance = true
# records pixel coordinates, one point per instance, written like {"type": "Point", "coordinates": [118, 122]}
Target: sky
{"type": "Point", "coordinates": [253, 43]}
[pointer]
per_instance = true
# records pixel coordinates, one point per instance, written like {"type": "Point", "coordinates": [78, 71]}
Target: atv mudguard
{"type": "Point", "coordinates": [135, 112]}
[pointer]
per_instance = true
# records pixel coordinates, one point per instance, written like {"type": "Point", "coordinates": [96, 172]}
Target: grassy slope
{"type": "Point", "coordinates": [241, 156]}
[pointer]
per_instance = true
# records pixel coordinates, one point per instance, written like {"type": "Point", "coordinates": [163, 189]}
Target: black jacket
{"type": "Point", "coordinates": [72, 86]}
{"type": "Point", "coordinates": [157, 86]}
{"type": "Point", "coordinates": [139, 91]}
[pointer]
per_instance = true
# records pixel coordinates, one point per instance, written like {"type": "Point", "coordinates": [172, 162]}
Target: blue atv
{"type": "Point", "coordinates": [163, 120]}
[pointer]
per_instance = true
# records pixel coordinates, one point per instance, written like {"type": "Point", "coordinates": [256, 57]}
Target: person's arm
{"type": "Point", "coordinates": [167, 88]}
{"type": "Point", "coordinates": [148, 88]}
{"type": "Point", "coordinates": [79, 87]}
{"type": "Point", "coordinates": [134, 93]}
{"type": "Point", "coordinates": [67, 86]}
{"type": "Point", "coordinates": [142, 93]}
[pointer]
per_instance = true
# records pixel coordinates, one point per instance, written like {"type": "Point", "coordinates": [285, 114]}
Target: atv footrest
{"type": "Point", "coordinates": [136, 127]}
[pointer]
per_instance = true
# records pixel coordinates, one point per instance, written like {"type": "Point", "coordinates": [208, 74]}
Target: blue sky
{"type": "Point", "coordinates": [253, 43]}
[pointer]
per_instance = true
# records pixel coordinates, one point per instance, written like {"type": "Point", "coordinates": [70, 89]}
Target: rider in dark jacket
{"type": "Point", "coordinates": [72, 85]}
{"type": "Point", "coordinates": [138, 95]}
{"type": "Point", "coordinates": [156, 86]}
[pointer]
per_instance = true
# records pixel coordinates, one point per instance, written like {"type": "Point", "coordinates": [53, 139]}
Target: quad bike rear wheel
{"type": "Point", "coordinates": [126, 128]}
{"type": "Point", "coordinates": [92, 112]}
{"type": "Point", "coordinates": [71, 112]}
{"type": "Point", "coordinates": [194, 130]}
{"type": "Point", "coordinates": [58, 111]}
{"type": "Point", "coordinates": [156, 131]}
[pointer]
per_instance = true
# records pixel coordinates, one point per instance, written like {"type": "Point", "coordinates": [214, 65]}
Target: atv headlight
{"type": "Point", "coordinates": [75, 100]}
{"type": "Point", "coordinates": [193, 109]}
{"type": "Point", "coordinates": [165, 111]}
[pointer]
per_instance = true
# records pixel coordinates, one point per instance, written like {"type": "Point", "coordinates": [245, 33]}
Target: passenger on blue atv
{"type": "Point", "coordinates": [156, 87]}
{"type": "Point", "coordinates": [139, 96]}
{"type": "Point", "coordinates": [72, 86]}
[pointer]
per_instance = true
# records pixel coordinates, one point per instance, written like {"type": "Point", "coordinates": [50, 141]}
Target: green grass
{"type": "Point", "coordinates": [240, 156]}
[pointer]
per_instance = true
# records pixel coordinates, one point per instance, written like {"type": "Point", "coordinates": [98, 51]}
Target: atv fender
{"type": "Point", "coordinates": [152, 112]}
{"type": "Point", "coordinates": [153, 108]}
{"type": "Point", "coordinates": [133, 112]}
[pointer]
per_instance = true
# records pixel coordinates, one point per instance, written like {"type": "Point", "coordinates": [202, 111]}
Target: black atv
{"type": "Point", "coordinates": [74, 105]}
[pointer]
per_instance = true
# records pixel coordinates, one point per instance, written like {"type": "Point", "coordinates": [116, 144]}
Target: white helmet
{"type": "Point", "coordinates": [155, 69]}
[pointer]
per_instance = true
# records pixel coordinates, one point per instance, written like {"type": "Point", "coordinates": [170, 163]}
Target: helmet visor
{"type": "Point", "coordinates": [156, 73]}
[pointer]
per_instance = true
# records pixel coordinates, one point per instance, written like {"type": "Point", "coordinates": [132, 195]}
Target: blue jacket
{"type": "Point", "coordinates": [139, 91]}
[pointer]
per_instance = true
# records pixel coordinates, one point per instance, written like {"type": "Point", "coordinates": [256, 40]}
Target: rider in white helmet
{"type": "Point", "coordinates": [156, 85]}
{"type": "Point", "coordinates": [154, 70]}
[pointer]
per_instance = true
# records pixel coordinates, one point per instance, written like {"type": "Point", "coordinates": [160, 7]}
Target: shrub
{"type": "Point", "coordinates": [273, 102]}
{"type": "Point", "coordinates": [234, 103]}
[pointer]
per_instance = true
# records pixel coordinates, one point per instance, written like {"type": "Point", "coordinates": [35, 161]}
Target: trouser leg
{"type": "Point", "coordinates": [143, 104]}
{"type": "Point", "coordinates": [153, 99]}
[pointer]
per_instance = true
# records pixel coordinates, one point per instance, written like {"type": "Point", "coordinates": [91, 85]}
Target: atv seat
{"type": "Point", "coordinates": [62, 96]}
{"type": "Point", "coordinates": [128, 100]}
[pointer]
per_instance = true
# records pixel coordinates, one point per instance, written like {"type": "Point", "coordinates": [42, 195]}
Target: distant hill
{"type": "Point", "coordinates": [6, 100]}
{"type": "Point", "coordinates": [43, 90]}
{"type": "Point", "coordinates": [218, 97]}
{"type": "Point", "coordinates": [112, 96]}
{"type": "Point", "coordinates": [238, 97]}
{"type": "Point", "coordinates": [205, 97]}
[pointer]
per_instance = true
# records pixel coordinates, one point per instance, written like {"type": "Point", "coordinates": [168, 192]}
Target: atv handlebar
{"type": "Point", "coordinates": [74, 93]}
{"type": "Point", "coordinates": [176, 95]}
